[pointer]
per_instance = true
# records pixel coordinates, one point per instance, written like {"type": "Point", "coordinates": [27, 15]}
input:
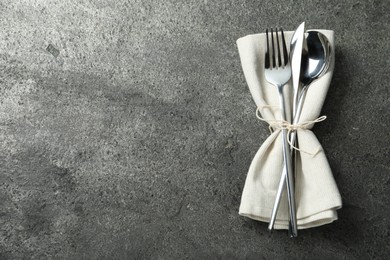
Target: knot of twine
{"type": "Point", "coordinates": [283, 124]}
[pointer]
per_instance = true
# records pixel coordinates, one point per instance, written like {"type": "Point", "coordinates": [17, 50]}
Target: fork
{"type": "Point", "coordinates": [277, 71]}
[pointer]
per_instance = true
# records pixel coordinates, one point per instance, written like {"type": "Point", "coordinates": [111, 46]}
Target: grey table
{"type": "Point", "coordinates": [127, 129]}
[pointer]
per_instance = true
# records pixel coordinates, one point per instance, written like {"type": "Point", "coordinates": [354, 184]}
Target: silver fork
{"type": "Point", "coordinates": [278, 73]}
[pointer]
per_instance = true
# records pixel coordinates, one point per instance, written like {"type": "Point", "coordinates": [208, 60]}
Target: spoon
{"type": "Point", "coordinates": [315, 62]}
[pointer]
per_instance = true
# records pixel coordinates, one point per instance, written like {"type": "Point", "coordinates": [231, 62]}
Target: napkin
{"type": "Point", "coordinates": [316, 193]}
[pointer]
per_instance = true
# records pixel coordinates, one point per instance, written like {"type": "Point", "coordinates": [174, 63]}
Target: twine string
{"type": "Point", "coordinates": [277, 125]}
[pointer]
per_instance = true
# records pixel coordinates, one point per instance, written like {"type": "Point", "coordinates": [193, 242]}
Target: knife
{"type": "Point", "coordinates": [296, 46]}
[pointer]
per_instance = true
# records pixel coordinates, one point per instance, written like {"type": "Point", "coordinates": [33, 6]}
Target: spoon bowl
{"type": "Point", "coordinates": [315, 57]}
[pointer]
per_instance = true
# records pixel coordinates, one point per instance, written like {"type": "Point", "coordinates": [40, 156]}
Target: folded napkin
{"type": "Point", "coordinates": [316, 193]}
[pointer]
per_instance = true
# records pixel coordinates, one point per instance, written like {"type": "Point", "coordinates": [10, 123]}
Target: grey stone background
{"type": "Point", "coordinates": [127, 128]}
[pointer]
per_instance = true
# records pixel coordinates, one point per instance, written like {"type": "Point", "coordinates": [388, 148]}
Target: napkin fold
{"type": "Point", "coordinates": [316, 193]}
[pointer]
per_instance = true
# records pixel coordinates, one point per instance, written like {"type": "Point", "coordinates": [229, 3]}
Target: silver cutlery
{"type": "Point", "coordinates": [315, 61]}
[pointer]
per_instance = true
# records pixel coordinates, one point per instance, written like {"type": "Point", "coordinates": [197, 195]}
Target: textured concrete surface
{"type": "Point", "coordinates": [127, 128]}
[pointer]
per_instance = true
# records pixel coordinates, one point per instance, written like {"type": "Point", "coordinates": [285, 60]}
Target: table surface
{"type": "Point", "coordinates": [127, 129]}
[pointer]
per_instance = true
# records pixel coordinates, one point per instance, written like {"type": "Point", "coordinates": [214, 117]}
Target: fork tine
{"type": "Point", "coordinates": [273, 48]}
{"type": "Point", "coordinates": [285, 55]}
{"type": "Point", "coordinates": [267, 57]}
{"type": "Point", "coordinates": [279, 63]}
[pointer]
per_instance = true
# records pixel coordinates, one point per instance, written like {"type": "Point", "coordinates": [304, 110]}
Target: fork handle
{"type": "Point", "coordinates": [287, 158]}
{"type": "Point", "coordinates": [290, 184]}
{"type": "Point", "coordinates": [282, 184]}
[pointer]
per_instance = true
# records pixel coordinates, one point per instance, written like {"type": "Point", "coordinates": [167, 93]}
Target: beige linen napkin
{"type": "Point", "coordinates": [317, 196]}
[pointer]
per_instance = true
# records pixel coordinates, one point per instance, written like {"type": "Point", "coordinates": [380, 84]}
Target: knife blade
{"type": "Point", "coordinates": [296, 47]}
